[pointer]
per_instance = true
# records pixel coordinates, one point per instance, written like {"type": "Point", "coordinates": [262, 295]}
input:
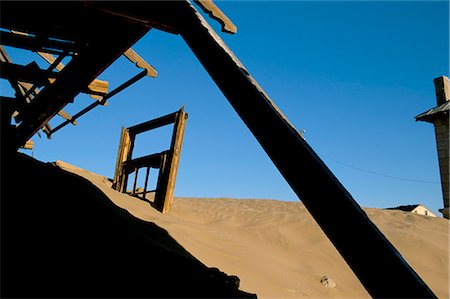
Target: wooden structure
{"type": "Point", "coordinates": [439, 117]}
{"type": "Point", "coordinates": [166, 161]}
{"type": "Point", "coordinates": [374, 260]}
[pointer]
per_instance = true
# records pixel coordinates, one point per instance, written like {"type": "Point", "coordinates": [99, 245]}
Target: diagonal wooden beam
{"type": "Point", "coordinates": [96, 86]}
{"type": "Point", "coordinates": [80, 71]}
{"type": "Point", "coordinates": [375, 261]}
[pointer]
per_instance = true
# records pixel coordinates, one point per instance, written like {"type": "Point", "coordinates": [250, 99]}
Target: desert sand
{"type": "Point", "coordinates": [277, 249]}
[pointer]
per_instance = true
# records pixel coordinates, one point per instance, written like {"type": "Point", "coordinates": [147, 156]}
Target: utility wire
{"type": "Point", "coordinates": [382, 174]}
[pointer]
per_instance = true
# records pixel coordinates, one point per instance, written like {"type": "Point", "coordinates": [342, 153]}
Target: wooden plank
{"type": "Point", "coordinates": [97, 86]}
{"type": "Point", "coordinates": [24, 41]}
{"type": "Point", "coordinates": [29, 145]}
{"type": "Point", "coordinates": [209, 7]}
{"type": "Point", "coordinates": [140, 62]}
{"type": "Point", "coordinates": [165, 193]}
{"type": "Point", "coordinates": [375, 261]}
{"type": "Point", "coordinates": [154, 123]}
{"type": "Point", "coordinates": [82, 70]}
{"type": "Point", "coordinates": [153, 160]}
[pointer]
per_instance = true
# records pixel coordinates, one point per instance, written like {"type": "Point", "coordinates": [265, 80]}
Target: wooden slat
{"type": "Point", "coordinates": [82, 70]}
{"type": "Point", "coordinates": [140, 62]}
{"type": "Point", "coordinates": [374, 260]}
{"type": "Point", "coordinates": [29, 145]}
{"type": "Point", "coordinates": [209, 7]}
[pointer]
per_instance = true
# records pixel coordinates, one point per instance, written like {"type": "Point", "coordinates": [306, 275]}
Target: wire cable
{"type": "Point", "coordinates": [380, 174]}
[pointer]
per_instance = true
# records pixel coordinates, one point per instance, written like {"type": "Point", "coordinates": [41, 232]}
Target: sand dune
{"type": "Point", "coordinates": [276, 248]}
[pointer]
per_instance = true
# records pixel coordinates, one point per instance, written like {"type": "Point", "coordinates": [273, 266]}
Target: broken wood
{"type": "Point", "coordinates": [140, 62]}
{"type": "Point", "coordinates": [209, 7]}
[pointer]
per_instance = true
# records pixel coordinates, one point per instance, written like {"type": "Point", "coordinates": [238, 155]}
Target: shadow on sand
{"type": "Point", "coordinates": [62, 237]}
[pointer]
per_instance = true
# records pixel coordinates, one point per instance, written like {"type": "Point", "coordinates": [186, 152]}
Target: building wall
{"type": "Point", "coordinates": [442, 142]}
{"type": "Point", "coordinates": [421, 210]}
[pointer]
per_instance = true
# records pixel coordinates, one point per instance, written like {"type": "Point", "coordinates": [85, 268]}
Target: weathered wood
{"type": "Point", "coordinates": [24, 41]}
{"type": "Point", "coordinates": [164, 196]}
{"type": "Point", "coordinates": [23, 88]}
{"type": "Point", "coordinates": [124, 148]}
{"type": "Point", "coordinates": [442, 88]}
{"type": "Point", "coordinates": [140, 62]}
{"type": "Point", "coordinates": [215, 13]}
{"type": "Point", "coordinates": [105, 98]}
{"type": "Point", "coordinates": [153, 160]}
{"type": "Point", "coordinates": [94, 88]}
{"type": "Point", "coordinates": [154, 123]}
{"type": "Point", "coordinates": [374, 260]}
{"type": "Point", "coordinates": [83, 69]}
{"type": "Point", "coordinates": [29, 145]}
{"type": "Point", "coordinates": [147, 173]}
{"type": "Point", "coordinates": [136, 173]}
{"type": "Point", "coordinates": [30, 73]}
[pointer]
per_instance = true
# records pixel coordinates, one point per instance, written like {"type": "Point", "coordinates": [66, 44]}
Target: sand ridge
{"type": "Point", "coordinates": [277, 249]}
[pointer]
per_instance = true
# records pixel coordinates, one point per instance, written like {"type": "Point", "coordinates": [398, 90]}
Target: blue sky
{"type": "Point", "coordinates": [352, 74]}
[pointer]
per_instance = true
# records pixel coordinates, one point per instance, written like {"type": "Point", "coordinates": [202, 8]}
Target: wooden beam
{"type": "Point", "coordinates": [30, 73]}
{"type": "Point", "coordinates": [209, 7]}
{"type": "Point", "coordinates": [168, 173]}
{"type": "Point", "coordinates": [153, 160]}
{"type": "Point", "coordinates": [125, 146]}
{"type": "Point", "coordinates": [140, 62]}
{"type": "Point", "coordinates": [375, 261]}
{"type": "Point", "coordinates": [81, 70]}
{"type": "Point", "coordinates": [95, 87]}
{"type": "Point", "coordinates": [29, 145]}
{"type": "Point", "coordinates": [154, 123]}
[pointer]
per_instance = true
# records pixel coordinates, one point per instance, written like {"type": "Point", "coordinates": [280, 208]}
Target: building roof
{"type": "Point", "coordinates": [406, 208]}
{"type": "Point", "coordinates": [430, 115]}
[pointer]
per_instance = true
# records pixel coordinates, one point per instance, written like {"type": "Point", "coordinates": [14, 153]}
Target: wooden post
{"type": "Point", "coordinates": [146, 181]}
{"type": "Point", "coordinates": [164, 196]}
{"type": "Point", "coordinates": [374, 260]}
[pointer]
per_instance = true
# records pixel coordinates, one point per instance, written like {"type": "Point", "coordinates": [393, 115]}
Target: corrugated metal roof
{"type": "Point", "coordinates": [431, 114]}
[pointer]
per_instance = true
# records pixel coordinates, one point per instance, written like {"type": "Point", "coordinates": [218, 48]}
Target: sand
{"type": "Point", "coordinates": [276, 248]}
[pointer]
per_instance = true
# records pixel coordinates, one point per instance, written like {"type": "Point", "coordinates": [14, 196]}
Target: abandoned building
{"type": "Point", "coordinates": [55, 28]}
{"type": "Point", "coordinates": [439, 117]}
{"type": "Point", "coordinates": [416, 209]}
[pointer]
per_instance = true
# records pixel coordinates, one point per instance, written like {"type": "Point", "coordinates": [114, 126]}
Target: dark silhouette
{"type": "Point", "coordinates": [62, 237]}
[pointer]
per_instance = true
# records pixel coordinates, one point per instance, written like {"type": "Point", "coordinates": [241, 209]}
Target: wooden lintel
{"type": "Point", "coordinates": [375, 261]}
{"type": "Point", "coordinates": [29, 145]}
{"type": "Point", "coordinates": [168, 173]}
{"type": "Point", "coordinates": [153, 161]}
{"type": "Point", "coordinates": [66, 116]}
{"type": "Point", "coordinates": [140, 62]}
{"type": "Point", "coordinates": [97, 89]}
{"type": "Point", "coordinates": [153, 124]}
{"type": "Point", "coordinates": [103, 51]}
{"type": "Point", "coordinates": [209, 7]}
